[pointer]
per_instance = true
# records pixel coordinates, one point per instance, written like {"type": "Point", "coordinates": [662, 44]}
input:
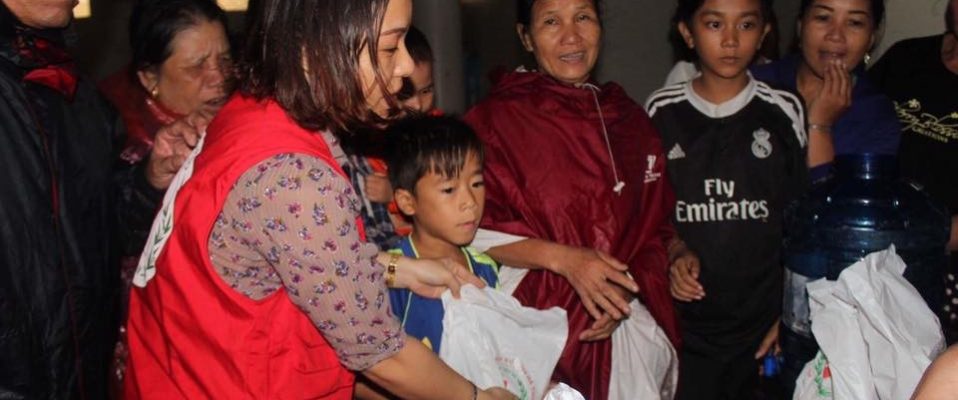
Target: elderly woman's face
{"type": "Point", "coordinates": [193, 77]}
{"type": "Point", "coordinates": [394, 60]}
{"type": "Point", "coordinates": [836, 30]}
{"type": "Point", "coordinates": [565, 37]}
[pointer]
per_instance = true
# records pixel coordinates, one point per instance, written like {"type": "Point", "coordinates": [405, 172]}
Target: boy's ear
{"type": "Point", "coordinates": [524, 37]}
{"type": "Point", "coordinates": [686, 34]}
{"type": "Point", "coordinates": [405, 201]}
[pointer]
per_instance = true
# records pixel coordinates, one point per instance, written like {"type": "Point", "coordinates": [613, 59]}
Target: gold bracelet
{"type": "Point", "coordinates": [391, 270]}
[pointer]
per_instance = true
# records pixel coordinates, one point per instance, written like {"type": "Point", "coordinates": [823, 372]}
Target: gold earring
{"type": "Point", "coordinates": [155, 92]}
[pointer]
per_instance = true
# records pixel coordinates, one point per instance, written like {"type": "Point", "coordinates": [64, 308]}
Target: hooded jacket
{"type": "Point", "coordinates": [554, 155]}
{"type": "Point", "coordinates": [58, 207]}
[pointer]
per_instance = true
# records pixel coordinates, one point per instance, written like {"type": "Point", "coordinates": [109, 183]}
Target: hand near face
{"type": "Point", "coordinates": [834, 96]}
{"type": "Point", "coordinates": [172, 145]}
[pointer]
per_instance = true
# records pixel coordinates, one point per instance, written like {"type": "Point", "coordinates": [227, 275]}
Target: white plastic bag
{"type": "Point", "coordinates": [562, 391]}
{"type": "Point", "coordinates": [492, 340]}
{"type": "Point", "coordinates": [815, 381]}
{"type": "Point", "coordinates": [875, 330]}
{"type": "Point", "coordinates": [644, 363]}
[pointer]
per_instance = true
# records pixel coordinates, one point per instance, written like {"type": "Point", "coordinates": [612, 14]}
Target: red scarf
{"type": "Point", "coordinates": [45, 61]}
{"type": "Point", "coordinates": [142, 115]}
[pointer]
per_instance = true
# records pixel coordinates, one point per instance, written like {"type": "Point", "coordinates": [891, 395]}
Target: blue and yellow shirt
{"type": "Point", "coordinates": [422, 317]}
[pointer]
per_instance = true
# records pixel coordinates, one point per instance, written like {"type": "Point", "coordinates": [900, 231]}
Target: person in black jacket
{"type": "Point", "coordinates": [63, 200]}
{"type": "Point", "coordinates": [921, 76]}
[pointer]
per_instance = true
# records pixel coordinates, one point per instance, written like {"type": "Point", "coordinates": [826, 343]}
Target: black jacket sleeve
{"type": "Point", "coordinates": [136, 200]}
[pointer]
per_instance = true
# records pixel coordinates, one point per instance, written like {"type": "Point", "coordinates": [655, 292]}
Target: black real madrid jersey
{"type": "Point", "coordinates": [734, 167]}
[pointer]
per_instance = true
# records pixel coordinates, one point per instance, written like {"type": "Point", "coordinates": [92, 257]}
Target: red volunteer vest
{"type": "Point", "coordinates": [193, 337]}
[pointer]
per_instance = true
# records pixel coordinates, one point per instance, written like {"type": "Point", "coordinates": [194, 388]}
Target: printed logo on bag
{"type": "Point", "coordinates": [676, 152]}
{"type": "Point", "coordinates": [650, 174]}
{"type": "Point", "coordinates": [761, 146]}
{"type": "Point", "coordinates": [515, 378]}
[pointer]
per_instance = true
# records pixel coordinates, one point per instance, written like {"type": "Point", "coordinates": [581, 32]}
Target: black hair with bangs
{"type": "Point", "coordinates": [426, 144]}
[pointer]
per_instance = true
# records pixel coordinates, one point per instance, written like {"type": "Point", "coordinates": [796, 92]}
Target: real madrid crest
{"type": "Point", "coordinates": [762, 145]}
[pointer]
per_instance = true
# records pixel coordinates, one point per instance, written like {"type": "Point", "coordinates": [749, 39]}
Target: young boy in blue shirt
{"type": "Point", "coordinates": [435, 168]}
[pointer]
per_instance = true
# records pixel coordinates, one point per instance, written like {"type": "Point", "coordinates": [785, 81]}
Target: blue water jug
{"type": "Point", "coordinates": [865, 207]}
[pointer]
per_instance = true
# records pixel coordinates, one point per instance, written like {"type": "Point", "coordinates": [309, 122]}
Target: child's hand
{"type": "Point", "coordinates": [378, 189]}
{"type": "Point", "coordinates": [769, 343]}
{"type": "Point", "coordinates": [684, 278]}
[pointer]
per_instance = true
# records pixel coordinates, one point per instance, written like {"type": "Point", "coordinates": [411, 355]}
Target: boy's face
{"type": "Point", "coordinates": [447, 208]}
{"type": "Point", "coordinates": [726, 35]}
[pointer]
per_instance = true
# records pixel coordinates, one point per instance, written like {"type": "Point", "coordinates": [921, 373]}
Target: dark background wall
{"type": "Point", "coordinates": [102, 44]}
{"type": "Point", "coordinates": [473, 37]}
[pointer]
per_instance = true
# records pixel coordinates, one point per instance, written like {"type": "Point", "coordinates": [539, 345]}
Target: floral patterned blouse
{"type": "Point", "coordinates": [290, 221]}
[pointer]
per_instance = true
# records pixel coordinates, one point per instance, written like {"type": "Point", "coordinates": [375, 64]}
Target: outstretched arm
{"type": "Point", "coordinates": [941, 379]}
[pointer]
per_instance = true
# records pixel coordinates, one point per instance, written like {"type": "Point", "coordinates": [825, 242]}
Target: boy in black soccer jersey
{"type": "Point", "coordinates": [736, 157]}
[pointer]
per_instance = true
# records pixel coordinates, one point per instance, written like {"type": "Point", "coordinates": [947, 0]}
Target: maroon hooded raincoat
{"type": "Point", "coordinates": [549, 175]}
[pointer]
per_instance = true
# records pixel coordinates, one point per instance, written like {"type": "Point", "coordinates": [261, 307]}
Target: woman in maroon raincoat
{"type": "Point", "coordinates": [575, 171]}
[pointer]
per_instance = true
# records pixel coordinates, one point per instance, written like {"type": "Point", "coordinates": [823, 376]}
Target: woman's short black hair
{"type": "Point", "coordinates": [305, 55]}
{"type": "Point", "coordinates": [155, 23]}
{"type": "Point", "coordinates": [419, 145]}
{"type": "Point", "coordinates": [877, 10]}
{"type": "Point", "coordinates": [524, 10]}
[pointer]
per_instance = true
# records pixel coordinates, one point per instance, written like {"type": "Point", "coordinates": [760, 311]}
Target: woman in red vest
{"type": "Point", "coordinates": [257, 282]}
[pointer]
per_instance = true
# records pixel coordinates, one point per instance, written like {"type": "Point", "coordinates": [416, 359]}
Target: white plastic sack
{"type": "Point", "coordinates": [874, 329]}
{"type": "Point", "coordinates": [492, 340]}
{"type": "Point", "coordinates": [562, 391]}
{"type": "Point", "coordinates": [815, 381]}
{"type": "Point", "coordinates": [644, 363]}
